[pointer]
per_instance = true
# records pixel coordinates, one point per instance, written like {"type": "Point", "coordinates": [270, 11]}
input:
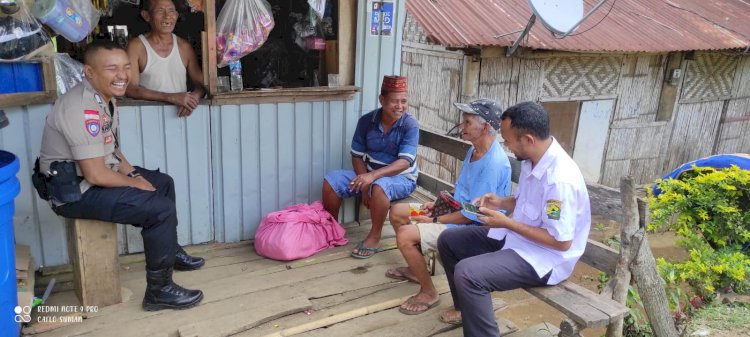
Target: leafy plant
{"type": "Point", "coordinates": [634, 324]}
{"type": "Point", "coordinates": [717, 203]}
{"type": "Point", "coordinates": [710, 211]}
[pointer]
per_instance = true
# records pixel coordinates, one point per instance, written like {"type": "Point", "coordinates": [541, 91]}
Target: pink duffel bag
{"type": "Point", "coordinates": [297, 232]}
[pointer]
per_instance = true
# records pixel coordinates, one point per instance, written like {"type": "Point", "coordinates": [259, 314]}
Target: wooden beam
{"type": "Point", "coordinates": [204, 58]}
{"type": "Point", "coordinates": [210, 24]}
{"type": "Point", "coordinates": [26, 98]}
{"type": "Point", "coordinates": [600, 256]}
{"type": "Point", "coordinates": [453, 147]}
{"type": "Point", "coordinates": [309, 94]}
{"type": "Point", "coordinates": [433, 184]}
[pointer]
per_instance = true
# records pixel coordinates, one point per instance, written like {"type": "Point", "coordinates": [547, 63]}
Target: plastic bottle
{"type": "Point", "coordinates": [235, 79]}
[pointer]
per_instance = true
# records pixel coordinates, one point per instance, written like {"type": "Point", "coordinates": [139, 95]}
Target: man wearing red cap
{"type": "Point", "coordinates": [384, 152]}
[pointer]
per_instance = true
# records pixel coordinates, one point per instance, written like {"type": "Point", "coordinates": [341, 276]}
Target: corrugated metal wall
{"type": "Point", "coordinates": [269, 156]}
{"type": "Point", "coordinates": [231, 164]}
{"type": "Point", "coordinates": [34, 222]}
{"type": "Point", "coordinates": [377, 55]}
{"type": "Point", "coordinates": [154, 137]}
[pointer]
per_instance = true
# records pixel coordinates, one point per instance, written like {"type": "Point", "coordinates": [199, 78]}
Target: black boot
{"type": "Point", "coordinates": [183, 261]}
{"type": "Point", "coordinates": [163, 293]}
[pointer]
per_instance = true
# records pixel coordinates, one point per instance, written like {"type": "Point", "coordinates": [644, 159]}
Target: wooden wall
{"type": "Point", "coordinates": [705, 112]}
{"type": "Point", "coordinates": [430, 100]}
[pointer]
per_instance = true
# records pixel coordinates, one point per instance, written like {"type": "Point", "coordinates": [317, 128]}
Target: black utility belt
{"type": "Point", "coordinates": [61, 183]}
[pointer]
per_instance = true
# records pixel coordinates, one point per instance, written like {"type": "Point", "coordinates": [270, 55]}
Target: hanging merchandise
{"type": "Point", "coordinates": [20, 34]}
{"type": "Point", "coordinates": [68, 72]}
{"type": "Point", "coordinates": [241, 28]}
{"type": "Point", "coordinates": [309, 32]}
{"type": "Point", "coordinates": [73, 19]}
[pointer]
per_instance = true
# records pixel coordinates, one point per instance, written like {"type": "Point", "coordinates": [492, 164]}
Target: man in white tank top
{"type": "Point", "coordinates": [164, 60]}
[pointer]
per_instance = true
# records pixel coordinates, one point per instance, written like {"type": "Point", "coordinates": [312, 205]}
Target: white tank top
{"type": "Point", "coordinates": [164, 74]}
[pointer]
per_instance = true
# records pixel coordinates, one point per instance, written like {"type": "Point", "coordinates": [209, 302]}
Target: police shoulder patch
{"type": "Point", "coordinates": [92, 127]}
{"type": "Point", "coordinates": [553, 209]}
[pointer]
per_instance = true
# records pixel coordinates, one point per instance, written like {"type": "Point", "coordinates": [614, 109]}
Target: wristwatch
{"type": "Point", "coordinates": [434, 219]}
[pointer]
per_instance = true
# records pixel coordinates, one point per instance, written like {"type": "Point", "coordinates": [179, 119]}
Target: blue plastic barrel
{"type": "Point", "coordinates": [9, 188]}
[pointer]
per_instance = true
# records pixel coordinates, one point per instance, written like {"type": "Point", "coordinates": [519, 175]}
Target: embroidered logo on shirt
{"type": "Point", "coordinates": [92, 127]}
{"type": "Point", "coordinates": [553, 209]}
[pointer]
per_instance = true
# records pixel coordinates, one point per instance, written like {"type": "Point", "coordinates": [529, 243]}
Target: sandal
{"type": "Point", "coordinates": [400, 273]}
{"type": "Point", "coordinates": [426, 306]}
{"type": "Point", "coordinates": [454, 319]}
{"type": "Point", "coordinates": [361, 248]}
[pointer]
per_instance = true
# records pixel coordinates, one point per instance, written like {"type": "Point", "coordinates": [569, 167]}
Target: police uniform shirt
{"type": "Point", "coordinates": [80, 126]}
{"type": "Point", "coordinates": [552, 196]}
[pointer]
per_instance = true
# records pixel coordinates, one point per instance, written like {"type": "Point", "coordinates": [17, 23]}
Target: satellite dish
{"type": "Point", "coordinates": [559, 16]}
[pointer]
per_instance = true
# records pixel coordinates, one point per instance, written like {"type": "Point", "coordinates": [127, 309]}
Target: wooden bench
{"type": "Point", "coordinates": [92, 247]}
{"type": "Point", "coordinates": [584, 308]}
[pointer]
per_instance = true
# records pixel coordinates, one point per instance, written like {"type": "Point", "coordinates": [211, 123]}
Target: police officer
{"type": "Point", "coordinates": [80, 149]}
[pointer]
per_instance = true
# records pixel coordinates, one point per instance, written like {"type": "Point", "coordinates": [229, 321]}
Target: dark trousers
{"type": "Point", "coordinates": [153, 212]}
{"type": "Point", "coordinates": [476, 266]}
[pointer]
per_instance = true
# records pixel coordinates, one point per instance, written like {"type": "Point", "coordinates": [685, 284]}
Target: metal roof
{"type": "Point", "coordinates": [618, 26]}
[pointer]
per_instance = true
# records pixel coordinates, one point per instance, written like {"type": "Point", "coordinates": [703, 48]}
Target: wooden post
{"type": "Point", "coordinates": [209, 10]}
{"type": "Point", "coordinates": [569, 328]}
{"type": "Point", "coordinates": [646, 276]}
{"type": "Point", "coordinates": [347, 40]}
{"type": "Point", "coordinates": [96, 270]}
{"type": "Point", "coordinates": [618, 286]}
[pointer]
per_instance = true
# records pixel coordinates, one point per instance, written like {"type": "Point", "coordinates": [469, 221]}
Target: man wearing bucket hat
{"type": "Point", "coordinates": [161, 60]}
{"type": "Point", "coordinates": [539, 244]}
{"type": "Point", "coordinates": [88, 177]}
{"type": "Point", "coordinates": [384, 153]}
{"type": "Point", "coordinates": [485, 169]}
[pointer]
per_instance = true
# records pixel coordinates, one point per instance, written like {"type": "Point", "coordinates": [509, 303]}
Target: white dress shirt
{"type": "Point", "coordinates": [552, 196]}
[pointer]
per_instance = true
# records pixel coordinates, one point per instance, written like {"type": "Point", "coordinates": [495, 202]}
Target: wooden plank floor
{"type": "Point", "coordinates": [329, 294]}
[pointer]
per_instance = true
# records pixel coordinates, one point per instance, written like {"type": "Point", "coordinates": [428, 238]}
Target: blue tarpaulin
{"type": "Point", "coordinates": [719, 161]}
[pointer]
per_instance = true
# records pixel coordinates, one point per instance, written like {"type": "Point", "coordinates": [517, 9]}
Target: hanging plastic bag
{"type": "Point", "coordinates": [68, 72]}
{"type": "Point", "coordinates": [319, 6]}
{"type": "Point", "coordinates": [73, 19]}
{"type": "Point", "coordinates": [241, 28]}
{"type": "Point", "coordinates": [20, 34]}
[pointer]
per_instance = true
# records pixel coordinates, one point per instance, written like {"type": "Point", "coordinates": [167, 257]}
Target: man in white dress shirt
{"type": "Point", "coordinates": [539, 244]}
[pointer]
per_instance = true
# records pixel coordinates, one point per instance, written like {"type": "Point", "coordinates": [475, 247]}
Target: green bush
{"type": "Point", "coordinates": [710, 211]}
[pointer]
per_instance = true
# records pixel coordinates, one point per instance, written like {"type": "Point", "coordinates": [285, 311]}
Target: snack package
{"type": "Point", "coordinates": [241, 28]}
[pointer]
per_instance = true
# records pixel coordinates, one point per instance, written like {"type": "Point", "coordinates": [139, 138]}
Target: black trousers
{"type": "Point", "coordinates": [153, 212]}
